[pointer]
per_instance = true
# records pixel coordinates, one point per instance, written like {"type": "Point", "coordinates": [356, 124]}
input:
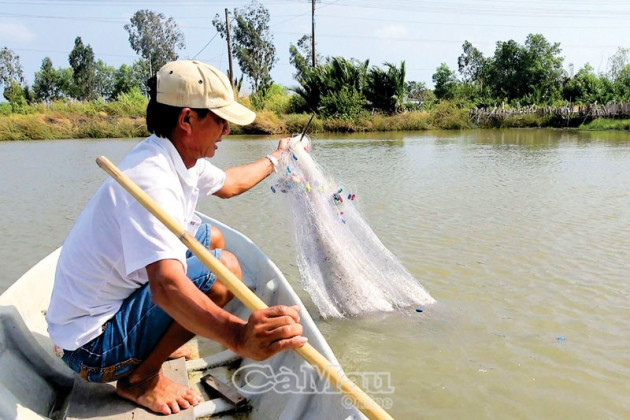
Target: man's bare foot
{"type": "Point", "coordinates": [158, 394]}
{"type": "Point", "coordinates": [183, 351]}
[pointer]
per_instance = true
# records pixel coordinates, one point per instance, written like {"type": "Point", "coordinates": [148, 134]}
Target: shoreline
{"type": "Point", "coordinates": [55, 125]}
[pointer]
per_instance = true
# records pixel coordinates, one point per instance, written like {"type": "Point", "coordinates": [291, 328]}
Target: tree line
{"type": "Point", "coordinates": [531, 74]}
{"type": "Point", "coordinates": [337, 87]}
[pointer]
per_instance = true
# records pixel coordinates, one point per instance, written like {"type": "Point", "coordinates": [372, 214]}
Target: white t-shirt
{"type": "Point", "coordinates": [104, 257]}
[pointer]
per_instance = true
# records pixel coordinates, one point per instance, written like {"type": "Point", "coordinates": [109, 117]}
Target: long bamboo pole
{"type": "Point", "coordinates": [333, 374]}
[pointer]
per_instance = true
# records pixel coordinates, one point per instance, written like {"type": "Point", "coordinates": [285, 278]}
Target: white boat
{"type": "Point", "coordinates": [34, 383]}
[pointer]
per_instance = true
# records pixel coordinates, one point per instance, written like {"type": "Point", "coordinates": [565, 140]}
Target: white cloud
{"type": "Point", "coordinates": [16, 32]}
{"type": "Point", "coordinates": [392, 31]}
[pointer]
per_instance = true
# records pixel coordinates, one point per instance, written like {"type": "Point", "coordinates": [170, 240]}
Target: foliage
{"type": "Point", "coordinates": [5, 108]}
{"type": "Point", "coordinates": [520, 74]}
{"type": "Point", "coordinates": [81, 60]}
{"type": "Point", "coordinates": [347, 73]}
{"type": "Point", "coordinates": [155, 38]}
{"type": "Point", "coordinates": [274, 99]}
{"type": "Point", "coordinates": [622, 84]}
{"type": "Point", "coordinates": [297, 105]}
{"type": "Point", "coordinates": [474, 69]}
{"type": "Point", "coordinates": [312, 85]}
{"type": "Point", "coordinates": [429, 100]}
{"type": "Point", "coordinates": [584, 88]}
{"type": "Point", "coordinates": [529, 74]}
{"type": "Point", "coordinates": [450, 115]}
{"type": "Point", "coordinates": [504, 71]}
{"type": "Point", "coordinates": [124, 80]}
{"type": "Point", "coordinates": [607, 91]}
{"type": "Point", "coordinates": [617, 62]}
{"type": "Point", "coordinates": [385, 90]}
{"type": "Point", "coordinates": [104, 80]}
{"type": "Point", "coordinates": [132, 103]}
{"type": "Point", "coordinates": [28, 94]}
{"type": "Point", "coordinates": [51, 84]}
{"type": "Point", "coordinates": [131, 77]}
{"type": "Point", "coordinates": [14, 93]}
{"type": "Point", "coordinates": [543, 68]}
{"type": "Point", "coordinates": [419, 96]}
{"type": "Point", "coordinates": [471, 64]}
{"type": "Point", "coordinates": [253, 43]}
{"type": "Point", "coordinates": [329, 79]}
{"type": "Point", "coordinates": [445, 82]}
{"type": "Point", "coordinates": [346, 103]}
{"type": "Point", "coordinates": [416, 91]}
{"type": "Point", "coordinates": [301, 56]}
{"type": "Point", "coordinates": [10, 68]}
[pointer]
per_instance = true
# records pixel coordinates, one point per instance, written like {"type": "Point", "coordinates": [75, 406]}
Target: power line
{"type": "Point", "coordinates": [431, 40]}
{"type": "Point", "coordinates": [68, 52]}
{"type": "Point", "coordinates": [475, 24]}
{"type": "Point", "coordinates": [206, 46]}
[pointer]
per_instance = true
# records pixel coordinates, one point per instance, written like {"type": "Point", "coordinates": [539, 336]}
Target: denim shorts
{"type": "Point", "coordinates": [132, 334]}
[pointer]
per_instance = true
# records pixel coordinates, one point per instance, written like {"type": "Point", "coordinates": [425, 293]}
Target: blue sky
{"type": "Point", "coordinates": [424, 33]}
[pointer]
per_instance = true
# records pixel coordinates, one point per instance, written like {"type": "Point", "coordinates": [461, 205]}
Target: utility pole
{"type": "Point", "coordinates": [229, 42]}
{"type": "Point", "coordinates": [313, 32]}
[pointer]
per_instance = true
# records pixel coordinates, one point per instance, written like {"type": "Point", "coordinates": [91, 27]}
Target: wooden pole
{"type": "Point", "coordinates": [328, 372]}
{"type": "Point", "coordinates": [313, 32]}
{"type": "Point", "coordinates": [229, 45]}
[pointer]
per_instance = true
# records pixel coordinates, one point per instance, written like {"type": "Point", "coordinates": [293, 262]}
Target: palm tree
{"type": "Point", "coordinates": [386, 89]}
{"type": "Point", "coordinates": [336, 75]}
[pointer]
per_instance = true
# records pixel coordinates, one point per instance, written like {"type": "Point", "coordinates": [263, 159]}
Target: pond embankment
{"type": "Point", "coordinates": [106, 121]}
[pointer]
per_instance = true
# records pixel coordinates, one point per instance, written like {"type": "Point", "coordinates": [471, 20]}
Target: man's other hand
{"type": "Point", "coordinates": [270, 331]}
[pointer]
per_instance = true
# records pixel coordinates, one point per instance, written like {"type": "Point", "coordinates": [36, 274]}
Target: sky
{"type": "Point", "coordinates": [423, 33]}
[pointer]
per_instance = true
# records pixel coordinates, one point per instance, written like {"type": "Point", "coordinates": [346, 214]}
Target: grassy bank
{"type": "Point", "coordinates": [607, 124]}
{"type": "Point", "coordinates": [126, 118]}
{"type": "Point", "coordinates": [70, 119]}
{"type": "Point", "coordinates": [62, 126]}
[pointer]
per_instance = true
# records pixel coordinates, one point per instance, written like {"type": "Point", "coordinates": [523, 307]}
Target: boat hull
{"type": "Point", "coordinates": [25, 302]}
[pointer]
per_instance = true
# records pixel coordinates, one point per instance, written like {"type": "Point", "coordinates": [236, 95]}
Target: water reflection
{"type": "Point", "coordinates": [532, 138]}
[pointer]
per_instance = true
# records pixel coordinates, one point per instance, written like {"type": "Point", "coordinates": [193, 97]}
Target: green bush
{"type": "Point", "coordinates": [346, 103]}
{"type": "Point", "coordinates": [274, 99]}
{"type": "Point", "coordinates": [132, 103]}
{"type": "Point", "coordinates": [5, 109]}
{"type": "Point", "coordinates": [298, 105]}
{"type": "Point", "coordinates": [450, 115]}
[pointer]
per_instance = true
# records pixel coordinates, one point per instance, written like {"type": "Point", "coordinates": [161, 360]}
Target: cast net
{"type": "Point", "coordinates": [343, 265]}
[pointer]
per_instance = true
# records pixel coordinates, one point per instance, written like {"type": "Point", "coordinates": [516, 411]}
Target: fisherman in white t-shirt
{"type": "Point", "coordinates": [127, 293]}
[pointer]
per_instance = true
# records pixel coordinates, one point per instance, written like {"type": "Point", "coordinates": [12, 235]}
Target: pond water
{"type": "Point", "coordinates": [522, 236]}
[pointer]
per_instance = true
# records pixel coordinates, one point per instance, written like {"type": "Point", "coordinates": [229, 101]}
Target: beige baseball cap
{"type": "Point", "coordinates": [193, 84]}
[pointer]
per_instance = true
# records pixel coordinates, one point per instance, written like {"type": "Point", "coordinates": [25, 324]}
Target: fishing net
{"type": "Point", "coordinates": [343, 265]}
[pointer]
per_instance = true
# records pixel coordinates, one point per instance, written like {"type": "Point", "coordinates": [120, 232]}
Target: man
{"type": "Point", "coordinates": [127, 295]}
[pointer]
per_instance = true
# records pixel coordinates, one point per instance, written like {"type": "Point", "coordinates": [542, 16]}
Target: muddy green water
{"type": "Point", "coordinates": [523, 237]}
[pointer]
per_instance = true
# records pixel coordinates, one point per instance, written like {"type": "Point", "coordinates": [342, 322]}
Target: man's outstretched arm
{"type": "Point", "coordinates": [241, 178]}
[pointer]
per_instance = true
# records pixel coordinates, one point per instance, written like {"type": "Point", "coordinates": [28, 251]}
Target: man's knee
{"type": "Point", "coordinates": [216, 238]}
{"type": "Point", "coordinates": [219, 293]}
{"type": "Point", "coordinates": [231, 262]}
